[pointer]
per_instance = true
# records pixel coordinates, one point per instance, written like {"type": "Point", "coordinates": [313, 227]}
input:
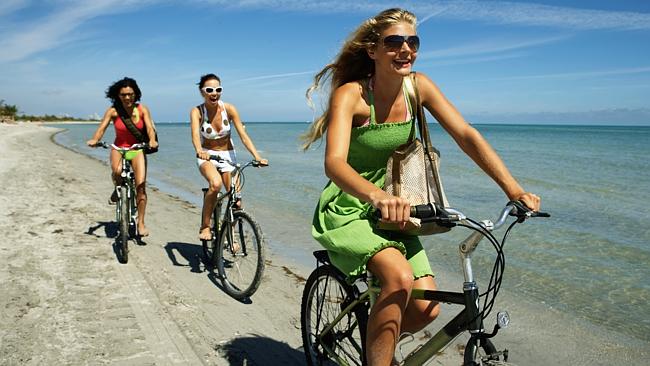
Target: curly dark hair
{"type": "Point", "coordinates": [207, 77]}
{"type": "Point", "coordinates": [113, 91]}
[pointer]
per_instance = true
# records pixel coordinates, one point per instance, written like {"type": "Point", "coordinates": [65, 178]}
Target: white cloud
{"type": "Point", "coordinates": [23, 40]}
{"type": "Point", "coordinates": [530, 14]}
{"type": "Point", "coordinates": [487, 47]}
{"type": "Point", "coordinates": [277, 76]}
{"type": "Point", "coordinates": [56, 28]}
{"type": "Point", "coordinates": [502, 12]}
{"type": "Point", "coordinates": [576, 75]}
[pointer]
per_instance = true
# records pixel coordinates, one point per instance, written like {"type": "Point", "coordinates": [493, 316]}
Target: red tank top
{"type": "Point", "coordinates": [123, 137]}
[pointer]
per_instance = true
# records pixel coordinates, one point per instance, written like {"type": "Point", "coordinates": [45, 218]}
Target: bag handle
{"type": "Point", "coordinates": [410, 83]}
{"type": "Point", "coordinates": [129, 124]}
{"type": "Point", "coordinates": [414, 96]}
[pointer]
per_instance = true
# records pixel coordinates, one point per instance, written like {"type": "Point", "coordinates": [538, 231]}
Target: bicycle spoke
{"type": "Point", "coordinates": [324, 298]}
{"type": "Point", "coordinates": [241, 255]}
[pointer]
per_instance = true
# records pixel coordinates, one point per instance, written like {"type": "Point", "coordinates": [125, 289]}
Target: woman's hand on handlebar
{"type": "Point", "coordinates": [532, 201]}
{"type": "Point", "coordinates": [153, 144]}
{"type": "Point", "coordinates": [262, 162]}
{"type": "Point", "coordinates": [393, 209]}
{"type": "Point", "coordinates": [203, 155]}
{"type": "Point", "coordinates": [91, 143]}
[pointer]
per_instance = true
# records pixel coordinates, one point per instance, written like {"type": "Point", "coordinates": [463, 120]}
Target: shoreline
{"type": "Point", "coordinates": [166, 274]}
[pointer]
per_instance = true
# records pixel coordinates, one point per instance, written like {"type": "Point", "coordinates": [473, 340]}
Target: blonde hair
{"type": "Point", "coordinates": [352, 63]}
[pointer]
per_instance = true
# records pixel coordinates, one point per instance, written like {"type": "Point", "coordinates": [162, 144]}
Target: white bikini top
{"type": "Point", "coordinates": [207, 130]}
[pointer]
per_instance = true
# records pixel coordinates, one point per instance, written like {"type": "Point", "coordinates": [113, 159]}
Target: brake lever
{"type": "Point", "coordinates": [522, 212]}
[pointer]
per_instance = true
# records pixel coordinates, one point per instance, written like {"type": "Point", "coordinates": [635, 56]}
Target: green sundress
{"type": "Point", "coordinates": [344, 225]}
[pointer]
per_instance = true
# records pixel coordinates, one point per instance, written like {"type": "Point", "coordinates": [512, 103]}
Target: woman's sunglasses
{"type": "Point", "coordinates": [394, 42]}
{"type": "Point", "coordinates": [210, 90]}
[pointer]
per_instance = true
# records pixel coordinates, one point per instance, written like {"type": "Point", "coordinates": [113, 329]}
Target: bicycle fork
{"type": "Point", "coordinates": [128, 189]}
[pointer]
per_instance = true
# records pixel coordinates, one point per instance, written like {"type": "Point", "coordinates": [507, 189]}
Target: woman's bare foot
{"type": "Point", "coordinates": [205, 233]}
{"type": "Point", "coordinates": [143, 231]}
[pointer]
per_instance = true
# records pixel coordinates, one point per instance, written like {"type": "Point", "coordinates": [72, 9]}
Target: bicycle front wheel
{"type": "Point", "coordinates": [240, 256]}
{"type": "Point", "coordinates": [325, 296]}
{"type": "Point", "coordinates": [124, 218]}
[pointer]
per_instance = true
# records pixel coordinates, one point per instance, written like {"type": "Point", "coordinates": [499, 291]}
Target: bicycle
{"type": "Point", "coordinates": [126, 208]}
{"type": "Point", "coordinates": [236, 248]}
{"type": "Point", "coordinates": [334, 313]}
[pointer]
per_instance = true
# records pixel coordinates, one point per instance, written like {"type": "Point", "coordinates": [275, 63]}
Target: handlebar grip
{"type": "Point", "coordinates": [522, 211]}
{"type": "Point", "coordinates": [212, 157]}
{"type": "Point", "coordinates": [425, 211]}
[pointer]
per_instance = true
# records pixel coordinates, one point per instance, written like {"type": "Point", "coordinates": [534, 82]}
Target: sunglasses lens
{"type": "Point", "coordinates": [394, 42]}
{"type": "Point", "coordinates": [413, 42]}
{"type": "Point", "coordinates": [211, 90]}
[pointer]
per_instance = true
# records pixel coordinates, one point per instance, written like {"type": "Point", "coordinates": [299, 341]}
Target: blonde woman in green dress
{"type": "Point", "coordinates": [368, 116]}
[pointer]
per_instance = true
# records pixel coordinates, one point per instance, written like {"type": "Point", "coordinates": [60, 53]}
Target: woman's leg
{"type": "Point", "coordinates": [211, 175]}
{"type": "Point", "coordinates": [419, 313]}
{"type": "Point", "coordinates": [384, 323]}
{"type": "Point", "coordinates": [116, 168]}
{"type": "Point", "coordinates": [227, 176]}
{"type": "Point", "coordinates": [139, 164]}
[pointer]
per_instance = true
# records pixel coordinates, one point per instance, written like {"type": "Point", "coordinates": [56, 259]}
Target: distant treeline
{"type": "Point", "coordinates": [11, 111]}
{"type": "Point", "coordinates": [7, 109]}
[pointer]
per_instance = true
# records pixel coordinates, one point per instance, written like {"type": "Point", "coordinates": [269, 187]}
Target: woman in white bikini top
{"type": "Point", "coordinates": [211, 125]}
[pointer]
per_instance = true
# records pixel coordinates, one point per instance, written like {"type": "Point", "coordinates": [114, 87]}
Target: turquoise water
{"type": "Point", "coordinates": [590, 259]}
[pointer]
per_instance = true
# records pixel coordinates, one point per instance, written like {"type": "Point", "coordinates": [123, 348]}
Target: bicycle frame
{"type": "Point", "coordinates": [468, 319]}
{"type": "Point", "coordinates": [128, 182]}
{"type": "Point", "coordinates": [233, 194]}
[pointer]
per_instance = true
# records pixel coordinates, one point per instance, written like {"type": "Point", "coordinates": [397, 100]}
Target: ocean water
{"type": "Point", "coordinates": [590, 259]}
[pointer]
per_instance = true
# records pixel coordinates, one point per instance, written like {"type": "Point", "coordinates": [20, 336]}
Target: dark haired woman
{"type": "Point", "coordinates": [211, 124]}
{"type": "Point", "coordinates": [125, 95]}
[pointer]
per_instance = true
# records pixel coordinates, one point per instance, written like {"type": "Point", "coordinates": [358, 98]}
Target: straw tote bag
{"type": "Point", "coordinates": [412, 171]}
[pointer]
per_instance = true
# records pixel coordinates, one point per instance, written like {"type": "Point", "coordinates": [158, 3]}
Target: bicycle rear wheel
{"type": "Point", "coordinates": [240, 256]}
{"type": "Point", "coordinates": [325, 296]}
{"type": "Point", "coordinates": [483, 353]}
{"type": "Point", "coordinates": [124, 218]}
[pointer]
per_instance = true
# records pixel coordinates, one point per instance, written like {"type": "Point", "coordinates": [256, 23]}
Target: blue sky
{"type": "Point", "coordinates": [562, 62]}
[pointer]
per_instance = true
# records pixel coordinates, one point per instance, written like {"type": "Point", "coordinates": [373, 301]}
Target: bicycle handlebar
{"type": "Point", "coordinates": [137, 146]}
{"type": "Point", "coordinates": [106, 145]}
{"type": "Point", "coordinates": [434, 212]}
{"type": "Point", "coordinates": [103, 144]}
{"type": "Point", "coordinates": [255, 163]}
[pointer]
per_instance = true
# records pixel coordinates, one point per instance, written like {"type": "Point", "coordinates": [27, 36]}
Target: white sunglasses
{"type": "Point", "coordinates": [210, 89]}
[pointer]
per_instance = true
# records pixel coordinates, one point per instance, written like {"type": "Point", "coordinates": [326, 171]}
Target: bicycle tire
{"type": "Point", "coordinates": [209, 250]}
{"type": "Point", "coordinates": [325, 295]}
{"type": "Point", "coordinates": [210, 246]}
{"type": "Point", "coordinates": [240, 269]}
{"type": "Point", "coordinates": [483, 354]}
{"type": "Point", "coordinates": [124, 218]}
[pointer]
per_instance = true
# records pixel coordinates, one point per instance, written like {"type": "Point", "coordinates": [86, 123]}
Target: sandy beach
{"type": "Point", "coordinates": [65, 299]}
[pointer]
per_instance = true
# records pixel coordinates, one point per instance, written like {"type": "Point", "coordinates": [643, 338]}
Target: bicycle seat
{"type": "Point", "coordinates": [322, 256]}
